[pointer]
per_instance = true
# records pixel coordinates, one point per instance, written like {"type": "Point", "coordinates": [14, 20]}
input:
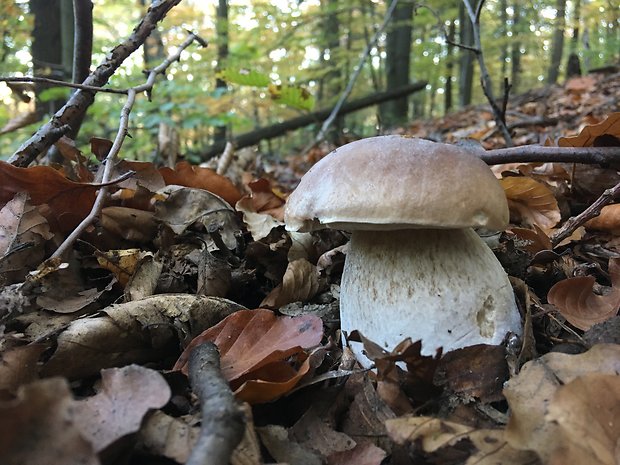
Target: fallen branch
{"type": "Point", "coordinates": [222, 425]}
{"type": "Point", "coordinates": [279, 129]}
{"type": "Point", "coordinates": [603, 156]}
{"type": "Point", "coordinates": [109, 162]}
{"type": "Point", "coordinates": [79, 102]}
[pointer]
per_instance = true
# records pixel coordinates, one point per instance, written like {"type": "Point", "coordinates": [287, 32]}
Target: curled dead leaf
{"type": "Point", "coordinates": [256, 348]}
{"type": "Point", "coordinates": [605, 133]}
{"type": "Point", "coordinates": [577, 302]}
{"type": "Point", "coordinates": [608, 220]}
{"type": "Point", "coordinates": [300, 282]}
{"type": "Point", "coordinates": [531, 201]}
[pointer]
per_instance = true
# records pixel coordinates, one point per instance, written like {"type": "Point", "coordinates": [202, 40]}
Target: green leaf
{"type": "Point", "coordinates": [244, 77]}
{"type": "Point", "coordinates": [293, 96]}
{"type": "Point", "coordinates": [54, 93]}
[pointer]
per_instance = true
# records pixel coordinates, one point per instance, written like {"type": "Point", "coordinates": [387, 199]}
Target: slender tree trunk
{"type": "Point", "coordinates": [330, 86]}
{"type": "Point", "coordinates": [47, 49]}
{"type": "Point", "coordinates": [574, 40]}
{"type": "Point", "coordinates": [557, 43]}
{"type": "Point", "coordinates": [515, 56]}
{"type": "Point", "coordinates": [466, 63]}
{"type": "Point", "coordinates": [221, 11]}
{"type": "Point", "coordinates": [397, 63]}
{"type": "Point", "coordinates": [503, 37]}
{"type": "Point", "coordinates": [449, 67]}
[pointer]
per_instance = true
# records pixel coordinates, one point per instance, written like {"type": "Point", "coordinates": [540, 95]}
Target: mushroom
{"type": "Point", "coordinates": [415, 267]}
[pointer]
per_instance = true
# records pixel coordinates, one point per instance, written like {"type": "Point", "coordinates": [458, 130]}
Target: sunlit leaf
{"type": "Point", "coordinates": [532, 201]}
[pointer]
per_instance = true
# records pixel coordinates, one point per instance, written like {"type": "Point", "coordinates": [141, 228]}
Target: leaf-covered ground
{"type": "Point", "coordinates": [93, 367]}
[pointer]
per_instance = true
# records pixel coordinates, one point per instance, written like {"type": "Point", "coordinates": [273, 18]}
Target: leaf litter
{"type": "Point", "coordinates": [180, 256]}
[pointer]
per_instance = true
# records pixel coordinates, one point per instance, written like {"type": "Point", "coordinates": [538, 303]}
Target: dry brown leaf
{"type": "Point", "coordinates": [532, 201]}
{"type": "Point", "coordinates": [38, 427]}
{"type": "Point", "coordinates": [535, 240]}
{"type": "Point", "coordinates": [68, 201]}
{"type": "Point", "coordinates": [434, 435]}
{"type": "Point", "coordinates": [300, 282]}
{"type": "Point", "coordinates": [132, 332]}
{"type": "Point", "coordinates": [170, 437]}
{"type": "Point", "coordinates": [529, 394]}
{"type": "Point", "coordinates": [608, 220]}
{"type": "Point", "coordinates": [262, 210]}
{"type": "Point", "coordinates": [129, 223]}
{"type": "Point", "coordinates": [122, 263]}
{"type": "Point", "coordinates": [586, 412]}
{"type": "Point", "coordinates": [187, 175]}
{"type": "Point", "coordinates": [253, 344]}
{"type": "Point", "coordinates": [126, 395]}
{"type": "Point", "coordinates": [18, 366]}
{"type": "Point", "coordinates": [605, 134]}
{"type": "Point", "coordinates": [364, 453]}
{"type": "Point", "coordinates": [577, 302]}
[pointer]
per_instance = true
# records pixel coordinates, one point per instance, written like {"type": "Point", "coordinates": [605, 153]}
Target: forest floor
{"type": "Point", "coordinates": [169, 263]}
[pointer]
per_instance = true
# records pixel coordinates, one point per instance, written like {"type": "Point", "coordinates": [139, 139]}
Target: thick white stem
{"type": "Point", "coordinates": [442, 286]}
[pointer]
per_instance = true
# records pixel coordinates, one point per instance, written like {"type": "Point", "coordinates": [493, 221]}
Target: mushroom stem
{"type": "Point", "coordinates": [443, 286]}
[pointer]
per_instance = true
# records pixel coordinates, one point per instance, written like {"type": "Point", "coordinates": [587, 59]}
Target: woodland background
{"type": "Point", "coordinates": [312, 45]}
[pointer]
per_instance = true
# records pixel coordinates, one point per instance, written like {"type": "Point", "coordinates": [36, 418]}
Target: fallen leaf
{"type": "Point", "coordinates": [608, 220]}
{"type": "Point", "coordinates": [69, 201]}
{"type": "Point", "coordinates": [364, 453]}
{"type": "Point", "coordinates": [122, 263]}
{"type": "Point", "coordinates": [18, 366]}
{"type": "Point", "coordinates": [187, 175]}
{"type": "Point", "coordinates": [252, 341]}
{"type": "Point", "coordinates": [300, 282]}
{"type": "Point", "coordinates": [479, 446]}
{"type": "Point", "coordinates": [604, 134]}
{"type": "Point", "coordinates": [532, 201]}
{"type": "Point", "coordinates": [126, 395]}
{"type": "Point", "coordinates": [577, 302]}
{"type": "Point", "coordinates": [586, 413]}
{"type": "Point", "coordinates": [38, 427]}
{"type": "Point", "coordinates": [129, 223]}
{"type": "Point", "coordinates": [530, 393]}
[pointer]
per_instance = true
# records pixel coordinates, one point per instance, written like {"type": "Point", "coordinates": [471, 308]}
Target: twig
{"type": "Point", "coordinates": [82, 99]}
{"type": "Point", "coordinates": [345, 94]}
{"type": "Point", "coordinates": [222, 425]}
{"type": "Point", "coordinates": [225, 159]}
{"type": "Point", "coordinates": [485, 78]}
{"type": "Point", "coordinates": [591, 212]}
{"type": "Point", "coordinates": [536, 153]}
{"type": "Point", "coordinates": [110, 159]}
{"type": "Point", "coordinates": [56, 82]}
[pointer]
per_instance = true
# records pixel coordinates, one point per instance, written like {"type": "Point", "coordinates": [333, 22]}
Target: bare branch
{"type": "Point", "coordinates": [110, 160]}
{"type": "Point", "coordinates": [82, 99]}
{"type": "Point", "coordinates": [604, 156]}
{"type": "Point", "coordinates": [56, 82]}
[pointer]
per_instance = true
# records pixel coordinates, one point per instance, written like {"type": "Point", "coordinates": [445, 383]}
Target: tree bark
{"type": "Point", "coordinates": [466, 63]}
{"type": "Point", "coordinates": [397, 63]}
{"type": "Point", "coordinates": [279, 129]}
{"type": "Point", "coordinates": [221, 14]}
{"type": "Point", "coordinates": [557, 43]}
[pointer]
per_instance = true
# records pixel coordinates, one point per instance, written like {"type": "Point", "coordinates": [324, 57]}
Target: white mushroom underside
{"type": "Point", "coordinates": [444, 287]}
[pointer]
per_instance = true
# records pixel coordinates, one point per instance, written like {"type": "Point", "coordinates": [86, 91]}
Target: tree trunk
{"type": "Point", "coordinates": [557, 43]}
{"type": "Point", "coordinates": [330, 85]}
{"type": "Point", "coordinates": [397, 63]}
{"type": "Point", "coordinates": [47, 49]}
{"type": "Point", "coordinates": [449, 67]}
{"type": "Point", "coordinates": [503, 37]}
{"type": "Point", "coordinates": [221, 13]}
{"type": "Point", "coordinates": [515, 59]}
{"type": "Point", "coordinates": [466, 63]}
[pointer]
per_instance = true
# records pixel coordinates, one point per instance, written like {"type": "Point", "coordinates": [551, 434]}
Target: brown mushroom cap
{"type": "Point", "coordinates": [397, 182]}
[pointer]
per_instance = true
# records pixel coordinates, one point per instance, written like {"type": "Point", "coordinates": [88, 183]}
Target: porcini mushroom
{"type": "Point", "coordinates": [415, 267]}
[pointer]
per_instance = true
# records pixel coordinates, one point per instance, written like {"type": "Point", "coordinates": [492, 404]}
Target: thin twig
{"type": "Point", "coordinates": [110, 159]}
{"type": "Point", "coordinates": [485, 78]}
{"type": "Point", "coordinates": [592, 211]}
{"type": "Point", "coordinates": [222, 424]}
{"type": "Point", "coordinates": [56, 82]}
{"type": "Point", "coordinates": [345, 94]}
{"type": "Point", "coordinates": [82, 99]}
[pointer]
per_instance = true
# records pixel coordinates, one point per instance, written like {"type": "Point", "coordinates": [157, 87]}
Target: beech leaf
{"type": "Point", "coordinates": [576, 301]}
{"type": "Point", "coordinates": [593, 135]}
{"type": "Point", "coordinates": [532, 201]}
{"type": "Point", "coordinates": [250, 341]}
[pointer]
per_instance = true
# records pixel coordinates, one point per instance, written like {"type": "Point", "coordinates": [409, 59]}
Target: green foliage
{"type": "Point", "coordinates": [244, 77]}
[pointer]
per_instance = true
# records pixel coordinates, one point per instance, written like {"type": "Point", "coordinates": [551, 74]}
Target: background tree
{"type": "Point", "coordinates": [557, 43]}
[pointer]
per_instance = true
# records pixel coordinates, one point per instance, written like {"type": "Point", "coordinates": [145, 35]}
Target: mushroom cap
{"type": "Point", "coordinates": [397, 182]}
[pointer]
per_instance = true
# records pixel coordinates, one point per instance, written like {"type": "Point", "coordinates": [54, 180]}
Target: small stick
{"type": "Point", "coordinates": [222, 425]}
